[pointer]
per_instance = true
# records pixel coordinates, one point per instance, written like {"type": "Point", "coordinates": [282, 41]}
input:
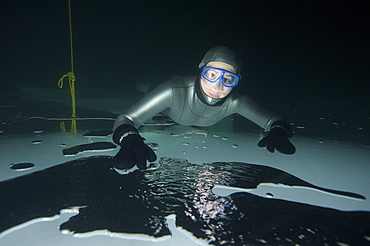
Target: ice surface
{"type": "Point", "coordinates": [327, 163]}
{"type": "Point", "coordinates": [178, 185]}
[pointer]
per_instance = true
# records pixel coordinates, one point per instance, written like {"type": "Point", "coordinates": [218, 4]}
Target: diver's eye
{"type": "Point", "coordinates": [212, 74]}
{"type": "Point", "coordinates": [228, 80]}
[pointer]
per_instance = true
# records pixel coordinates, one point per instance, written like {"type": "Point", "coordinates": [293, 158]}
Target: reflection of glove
{"type": "Point", "coordinates": [278, 138]}
{"type": "Point", "coordinates": [133, 149]}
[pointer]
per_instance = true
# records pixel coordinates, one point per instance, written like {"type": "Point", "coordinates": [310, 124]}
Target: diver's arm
{"type": "Point", "coordinates": [254, 112]}
{"type": "Point", "coordinates": [133, 149]}
{"type": "Point", "coordinates": [279, 130]}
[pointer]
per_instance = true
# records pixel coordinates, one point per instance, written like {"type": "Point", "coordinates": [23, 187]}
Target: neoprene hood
{"type": "Point", "coordinates": [221, 54]}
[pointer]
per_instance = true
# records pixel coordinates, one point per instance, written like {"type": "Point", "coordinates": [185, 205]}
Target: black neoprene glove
{"type": "Point", "coordinates": [133, 149]}
{"type": "Point", "coordinates": [278, 138]}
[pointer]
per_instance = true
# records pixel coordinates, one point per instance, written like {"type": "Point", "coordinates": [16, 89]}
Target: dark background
{"type": "Point", "coordinates": [300, 55]}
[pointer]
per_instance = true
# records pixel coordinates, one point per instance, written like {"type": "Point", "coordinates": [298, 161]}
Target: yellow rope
{"type": "Point", "coordinates": [62, 126]}
{"type": "Point", "coordinates": [71, 76]}
{"type": "Point", "coordinates": [70, 34]}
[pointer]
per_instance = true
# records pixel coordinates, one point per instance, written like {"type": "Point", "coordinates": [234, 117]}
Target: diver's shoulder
{"type": "Point", "coordinates": [182, 81]}
{"type": "Point", "coordinates": [238, 94]}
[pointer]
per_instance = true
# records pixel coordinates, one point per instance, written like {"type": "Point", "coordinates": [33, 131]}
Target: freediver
{"type": "Point", "coordinates": [201, 100]}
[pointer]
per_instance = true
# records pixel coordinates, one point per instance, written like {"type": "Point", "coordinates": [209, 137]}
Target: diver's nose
{"type": "Point", "coordinates": [219, 85]}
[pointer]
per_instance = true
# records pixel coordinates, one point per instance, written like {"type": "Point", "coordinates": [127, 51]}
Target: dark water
{"type": "Point", "coordinates": [139, 202]}
{"type": "Point", "coordinates": [300, 50]}
{"type": "Point", "coordinates": [308, 60]}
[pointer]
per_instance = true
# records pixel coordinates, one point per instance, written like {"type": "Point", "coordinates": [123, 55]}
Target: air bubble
{"type": "Point", "coordinates": [153, 145]}
{"type": "Point", "coordinates": [22, 166]}
{"type": "Point", "coordinates": [342, 244]}
{"type": "Point", "coordinates": [309, 230]}
{"type": "Point", "coordinates": [269, 195]}
{"type": "Point", "coordinates": [260, 240]}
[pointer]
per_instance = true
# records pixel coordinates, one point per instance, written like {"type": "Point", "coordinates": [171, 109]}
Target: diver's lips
{"type": "Point", "coordinates": [213, 94]}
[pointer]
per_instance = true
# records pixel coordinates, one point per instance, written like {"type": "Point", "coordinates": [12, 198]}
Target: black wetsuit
{"type": "Point", "coordinates": [183, 100]}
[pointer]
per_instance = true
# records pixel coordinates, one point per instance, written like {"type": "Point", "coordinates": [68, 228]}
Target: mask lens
{"type": "Point", "coordinates": [230, 80]}
{"type": "Point", "coordinates": [212, 74]}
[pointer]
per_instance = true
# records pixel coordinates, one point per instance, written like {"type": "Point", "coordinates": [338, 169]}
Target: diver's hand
{"type": "Point", "coordinates": [133, 149]}
{"type": "Point", "coordinates": [278, 138]}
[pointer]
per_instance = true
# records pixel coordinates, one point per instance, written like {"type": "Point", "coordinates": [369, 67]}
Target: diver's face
{"type": "Point", "coordinates": [217, 89]}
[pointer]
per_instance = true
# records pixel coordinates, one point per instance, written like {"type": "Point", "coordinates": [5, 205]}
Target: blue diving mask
{"type": "Point", "coordinates": [212, 75]}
